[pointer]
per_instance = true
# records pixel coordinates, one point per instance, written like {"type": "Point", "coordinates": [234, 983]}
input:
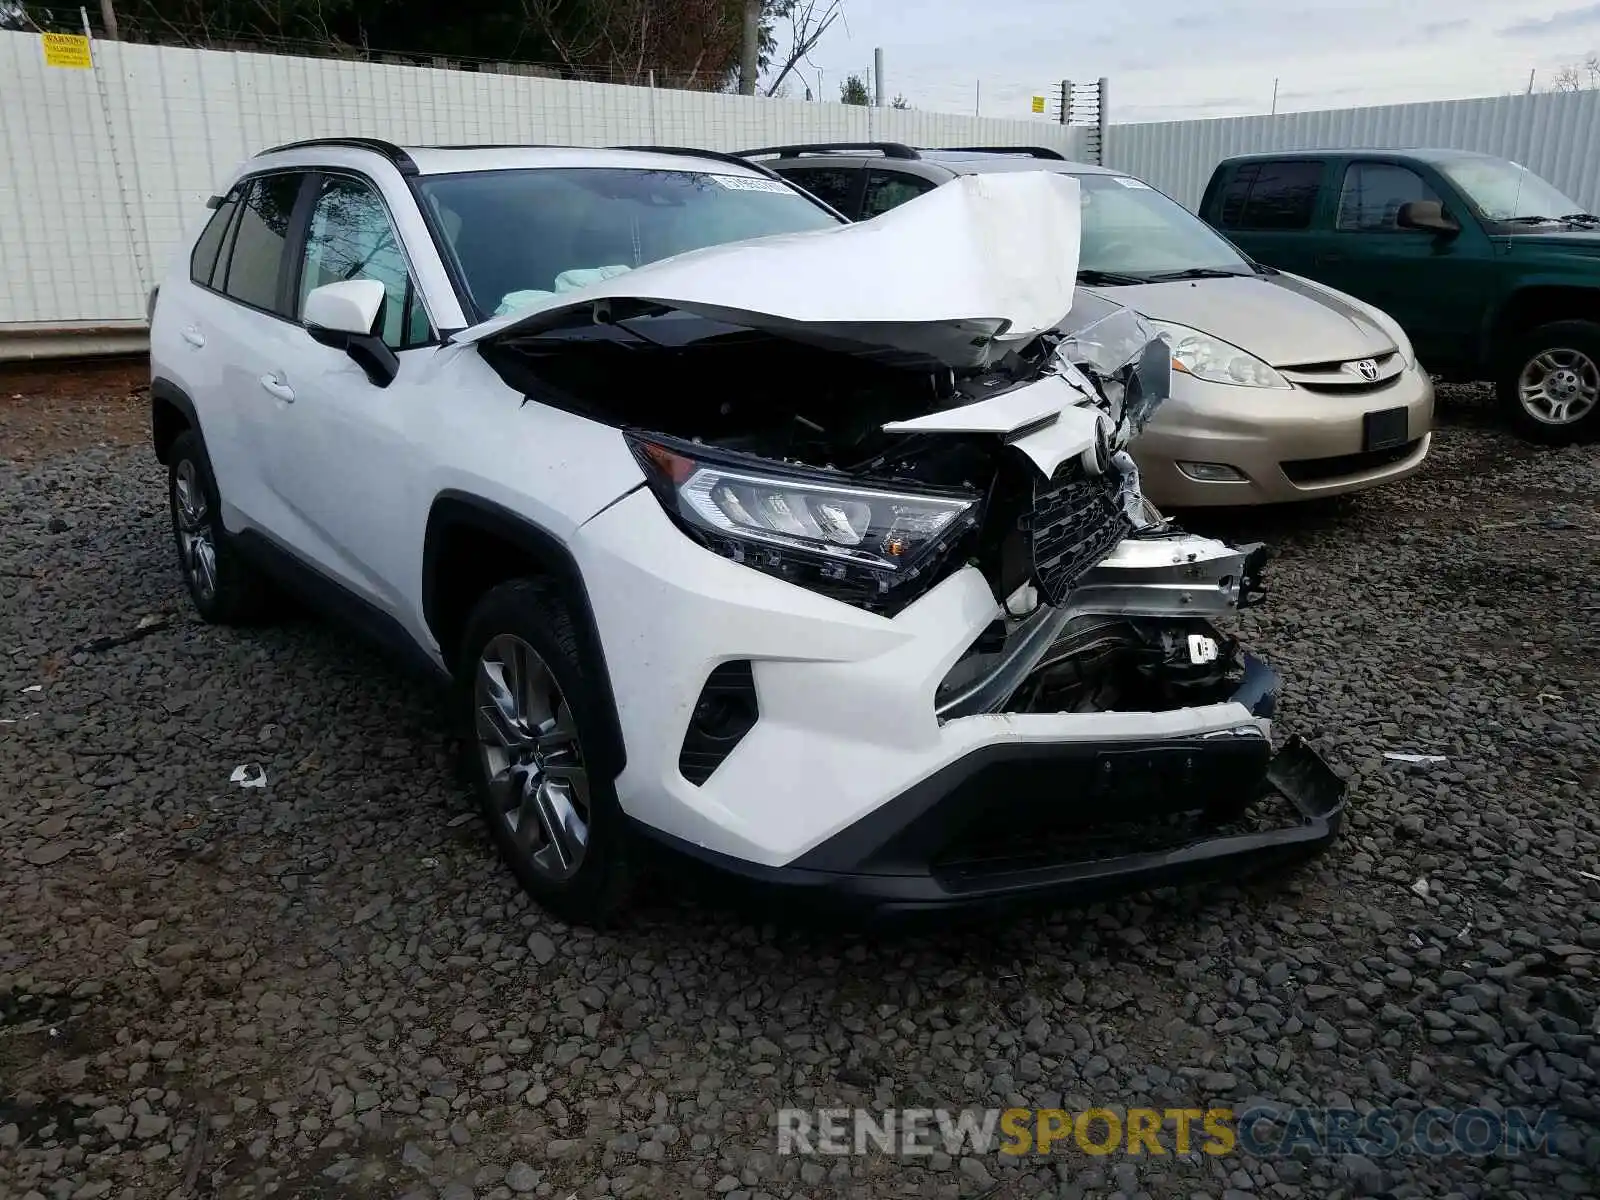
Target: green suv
{"type": "Point", "coordinates": [1491, 271]}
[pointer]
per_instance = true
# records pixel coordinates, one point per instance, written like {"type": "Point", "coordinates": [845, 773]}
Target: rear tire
{"type": "Point", "coordinates": [542, 774]}
{"type": "Point", "coordinates": [225, 588]}
{"type": "Point", "coordinates": [1550, 382]}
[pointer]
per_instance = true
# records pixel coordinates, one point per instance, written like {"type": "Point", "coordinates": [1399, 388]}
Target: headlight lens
{"type": "Point", "coordinates": [1215, 361]}
{"type": "Point", "coordinates": [859, 544]}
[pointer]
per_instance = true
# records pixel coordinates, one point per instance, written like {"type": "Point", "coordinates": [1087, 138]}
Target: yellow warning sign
{"type": "Point", "coordinates": [66, 50]}
{"type": "Point", "coordinates": [1038, 104]}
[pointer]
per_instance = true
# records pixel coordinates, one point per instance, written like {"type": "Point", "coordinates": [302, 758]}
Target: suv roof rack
{"type": "Point", "coordinates": [736, 160]}
{"type": "Point", "coordinates": [1030, 151]}
{"type": "Point", "coordinates": [887, 149]}
{"type": "Point", "coordinates": [402, 161]}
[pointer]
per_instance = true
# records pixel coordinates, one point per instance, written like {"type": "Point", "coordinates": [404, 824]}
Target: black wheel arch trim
{"type": "Point", "coordinates": [454, 509]}
{"type": "Point", "coordinates": [164, 391]}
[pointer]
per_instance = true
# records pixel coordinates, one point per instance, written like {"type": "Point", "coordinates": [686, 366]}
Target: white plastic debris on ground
{"type": "Point", "coordinates": [1424, 760]}
{"type": "Point", "coordinates": [249, 775]}
{"type": "Point", "coordinates": [984, 256]}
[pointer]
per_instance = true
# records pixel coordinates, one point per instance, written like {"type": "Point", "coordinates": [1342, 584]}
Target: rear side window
{"type": "Point", "coordinates": [832, 185]}
{"type": "Point", "coordinates": [1272, 195]}
{"type": "Point", "coordinates": [890, 189]}
{"type": "Point", "coordinates": [256, 263]}
{"type": "Point", "coordinates": [1373, 193]}
{"type": "Point", "coordinates": [203, 259]}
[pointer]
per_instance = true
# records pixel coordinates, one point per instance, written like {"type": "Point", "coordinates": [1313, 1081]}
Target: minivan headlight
{"type": "Point", "coordinates": [1215, 361]}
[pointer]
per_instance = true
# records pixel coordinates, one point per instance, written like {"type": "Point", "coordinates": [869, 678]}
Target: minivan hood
{"type": "Point", "coordinates": [1283, 320]}
{"type": "Point", "coordinates": [960, 274]}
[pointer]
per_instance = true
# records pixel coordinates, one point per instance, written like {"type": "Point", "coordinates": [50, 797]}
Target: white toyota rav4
{"type": "Point", "coordinates": [806, 549]}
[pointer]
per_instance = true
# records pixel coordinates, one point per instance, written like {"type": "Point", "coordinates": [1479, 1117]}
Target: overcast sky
{"type": "Point", "coordinates": [1173, 59]}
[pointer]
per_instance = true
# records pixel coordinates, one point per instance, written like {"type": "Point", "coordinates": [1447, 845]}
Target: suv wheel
{"type": "Point", "coordinates": [1551, 381]}
{"type": "Point", "coordinates": [226, 589]}
{"type": "Point", "coordinates": [546, 792]}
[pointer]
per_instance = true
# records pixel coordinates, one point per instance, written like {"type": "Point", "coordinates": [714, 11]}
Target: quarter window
{"type": "Point", "coordinates": [1373, 194]}
{"type": "Point", "coordinates": [205, 256]}
{"type": "Point", "coordinates": [256, 262]}
{"type": "Point", "coordinates": [1273, 195]}
{"type": "Point", "coordinates": [350, 237]}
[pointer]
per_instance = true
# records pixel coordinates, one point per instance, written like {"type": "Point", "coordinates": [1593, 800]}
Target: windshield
{"type": "Point", "coordinates": [518, 236]}
{"type": "Point", "coordinates": [1506, 191]}
{"type": "Point", "coordinates": [1132, 230]}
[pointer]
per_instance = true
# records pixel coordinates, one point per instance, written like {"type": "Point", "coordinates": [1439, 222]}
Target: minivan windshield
{"type": "Point", "coordinates": [1507, 191]}
{"type": "Point", "coordinates": [1134, 234]}
{"type": "Point", "coordinates": [520, 235]}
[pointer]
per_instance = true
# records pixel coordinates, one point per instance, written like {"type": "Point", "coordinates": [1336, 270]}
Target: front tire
{"type": "Point", "coordinates": [225, 588]}
{"type": "Point", "coordinates": [543, 777]}
{"type": "Point", "coordinates": [1550, 382]}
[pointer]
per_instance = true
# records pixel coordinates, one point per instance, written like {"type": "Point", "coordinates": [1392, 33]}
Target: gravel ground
{"type": "Point", "coordinates": [329, 987]}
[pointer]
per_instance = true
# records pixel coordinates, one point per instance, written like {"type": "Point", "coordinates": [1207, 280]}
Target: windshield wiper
{"type": "Point", "coordinates": [1197, 273]}
{"type": "Point", "coordinates": [1531, 220]}
{"type": "Point", "coordinates": [1109, 279]}
{"type": "Point", "coordinates": [1581, 219]}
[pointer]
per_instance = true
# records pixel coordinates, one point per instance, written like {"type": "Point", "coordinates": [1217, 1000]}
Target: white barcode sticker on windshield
{"type": "Point", "coordinates": [1130, 181]}
{"type": "Point", "coordinates": [746, 183]}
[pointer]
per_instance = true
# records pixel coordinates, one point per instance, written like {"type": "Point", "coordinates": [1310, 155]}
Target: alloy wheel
{"type": "Point", "coordinates": [196, 547]}
{"type": "Point", "coordinates": [1558, 387]}
{"type": "Point", "coordinates": [531, 757]}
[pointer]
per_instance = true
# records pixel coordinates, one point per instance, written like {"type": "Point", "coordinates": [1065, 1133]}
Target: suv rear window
{"type": "Point", "coordinates": [834, 186]}
{"type": "Point", "coordinates": [1272, 195]}
{"type": "Point", "coordinates": [256, 262]}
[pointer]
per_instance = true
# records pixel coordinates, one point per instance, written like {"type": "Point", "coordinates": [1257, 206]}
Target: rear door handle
{"type": "Point", "coordinates": [194, 337]}
{"type": "Point", "coordinates": [277, 388]}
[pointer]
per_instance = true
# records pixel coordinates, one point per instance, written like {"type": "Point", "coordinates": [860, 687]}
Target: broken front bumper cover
{"type": "Point", "coordinates": [1014, 821]}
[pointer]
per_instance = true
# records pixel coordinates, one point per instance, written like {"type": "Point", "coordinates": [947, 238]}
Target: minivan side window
{"type": "Point", "coordinates": [256, 263]}
{"type": "Point", "coordinates": [1373, 193]}
{"type": "Point", "coordinates": [891, 189]}
{"type": "Point", "coordinates": [832, 185]}
{"type": "Point", "coordinates": [1272, 195]}
{"type": "Point", "coordinates": [350, 237]}
{"type": "Point", "coordinates": [203, 258]}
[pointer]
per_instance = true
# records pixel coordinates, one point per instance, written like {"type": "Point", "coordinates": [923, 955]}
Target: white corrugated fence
{"type": "Point", "coordinates": [1556, 135]}
{"type": "Point", "coordinates": [104, 171]}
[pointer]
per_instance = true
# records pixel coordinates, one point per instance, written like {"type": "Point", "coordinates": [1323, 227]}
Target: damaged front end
{"type": "Point", "coordinates": [1102, 730]}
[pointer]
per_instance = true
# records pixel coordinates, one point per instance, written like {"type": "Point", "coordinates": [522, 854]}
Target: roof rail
{"type": "Point", "coordinates": [887, 149]}
{"type": "Point", "coordinates": [1030, 151]}
{"type": "Point", "coordinates": [402, 161]}
{"type": "Point", "coordinates": [715, 155]}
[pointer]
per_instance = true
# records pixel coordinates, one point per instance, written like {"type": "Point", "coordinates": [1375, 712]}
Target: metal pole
{"type": "Point", "coordinates": [877, 72]}
{"type": "Point", "coordinates": [1066, 100]}
{"type": "Point", "coordinates": [1530, 80]}
{"type": "Point", "coordinates": [977, 98]}
{"type": "Point", "coordinates": [1100, 148]}
{"type": "Point", "coordinates": [1274, 97]}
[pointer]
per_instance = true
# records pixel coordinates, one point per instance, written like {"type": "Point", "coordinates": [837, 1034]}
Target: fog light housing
{"type": "Point", "coordinates": [1203, 472]}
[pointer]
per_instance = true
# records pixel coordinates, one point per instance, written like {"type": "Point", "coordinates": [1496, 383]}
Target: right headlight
{"type": "Point", "coordinates": [861, 544]}
{"type": "Point", "coordinates": [1215, 361]}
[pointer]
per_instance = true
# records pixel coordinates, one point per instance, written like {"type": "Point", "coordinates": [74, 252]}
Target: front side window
{"type": "Point", "coordinates": [350, 237]}
{"type": "Point", "coordinates": [1131, 229]}
{"type": "Point", "coordinates": [890, 189]}
{"type": "Point", "coordinates": [518, 236]}
{"type": "Point", "coordinates": [834, 186]}
{"type": "Point", "coordinates": [1506, 191]}
{"type": "Point", "coordinates": [256, 264]}
{"type": "Point", "coordinates": [1282, 195]}
{"type": "Point", "coordinates": [1373, 194]}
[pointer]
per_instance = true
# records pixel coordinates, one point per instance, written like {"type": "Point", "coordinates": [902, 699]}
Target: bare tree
{"type": "Point", "coordinates": [808, 21]}
{"type": "Point", "coordinates": [750, 48]}
{"type": "Point", "coordinates": [1578, 77]}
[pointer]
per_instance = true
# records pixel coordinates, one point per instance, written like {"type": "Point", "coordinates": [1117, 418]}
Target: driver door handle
{"type": "Point", "coordinates": [194, 337]}
{"type": "Point", "coordinates": [277, 388]}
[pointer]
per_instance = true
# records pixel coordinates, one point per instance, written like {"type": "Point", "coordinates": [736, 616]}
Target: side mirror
{"type": "Point", "coordinates": [1428, 216]}
{"type": "Point", "coordinates": [346, 316]}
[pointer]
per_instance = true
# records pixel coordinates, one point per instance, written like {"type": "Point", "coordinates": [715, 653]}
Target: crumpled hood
{"type": "Point", "coordinates": [960, 274]}
{"type": "Point", "coordinates": [1281, 319]}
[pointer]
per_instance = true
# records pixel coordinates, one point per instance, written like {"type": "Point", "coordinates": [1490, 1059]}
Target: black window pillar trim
{"type": "Point", "coordinates": [453, 509]}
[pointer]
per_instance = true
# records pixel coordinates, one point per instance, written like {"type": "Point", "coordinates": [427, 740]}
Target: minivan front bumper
{"type": "Point", "coordinates": [1283, 445]}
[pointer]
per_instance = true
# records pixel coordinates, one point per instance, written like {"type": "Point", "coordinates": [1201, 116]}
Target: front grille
{"type": "Point", "coordinates": [1075, 523]}
{"type": "Point", "coordinates": [1319, 470]}
{"type": "Point", "coordinates": [1332, 379]}
{"type": "Point", "coordinates": [1337, 387]}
